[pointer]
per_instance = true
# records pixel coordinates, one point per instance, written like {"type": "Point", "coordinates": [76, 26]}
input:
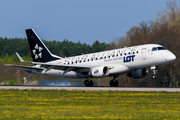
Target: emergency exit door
{"type": "Point", "coordinates": [143, 53]}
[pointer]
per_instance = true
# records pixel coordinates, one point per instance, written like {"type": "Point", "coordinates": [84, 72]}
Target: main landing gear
{"type": "Point", "coordinates": [154, 72]}
{"type": "Point", "coordinates": [88, 83]}
{"type": "Point", "coordinates": [114, 82]}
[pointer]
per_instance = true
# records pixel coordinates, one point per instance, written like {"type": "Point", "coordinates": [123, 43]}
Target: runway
{"type": "Point", "coordinates": [92, 88]}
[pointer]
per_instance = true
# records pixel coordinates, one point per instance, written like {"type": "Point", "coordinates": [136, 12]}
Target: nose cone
{"type": "Point", "coordinates": [171, 57]}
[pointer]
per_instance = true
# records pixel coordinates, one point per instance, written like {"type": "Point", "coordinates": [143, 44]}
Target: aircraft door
{"type": "Point", "coordinates": [143, 53]}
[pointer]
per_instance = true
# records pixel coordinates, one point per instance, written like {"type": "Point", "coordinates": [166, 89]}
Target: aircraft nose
{"type": "Point", "coordinates": [172, 57]}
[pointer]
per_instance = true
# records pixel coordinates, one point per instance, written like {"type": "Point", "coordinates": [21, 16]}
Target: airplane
{"type": "Point", "coordinates": [133, 61]}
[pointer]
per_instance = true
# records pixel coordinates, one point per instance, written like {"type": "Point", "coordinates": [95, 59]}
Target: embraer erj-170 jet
{"type": "Point", "coordinates": [133, 61]}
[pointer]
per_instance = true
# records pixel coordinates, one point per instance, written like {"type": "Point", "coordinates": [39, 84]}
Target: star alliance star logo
{"type": "Point", "coordinates": [37, 51]}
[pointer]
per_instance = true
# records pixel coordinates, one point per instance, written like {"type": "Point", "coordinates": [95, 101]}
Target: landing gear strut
{"type": "Point", "coordinates": [88, 83]}
{"type": "Point", "coordinates": [154, 72]}
{"type": "Point", "coordinates": [114, 82]}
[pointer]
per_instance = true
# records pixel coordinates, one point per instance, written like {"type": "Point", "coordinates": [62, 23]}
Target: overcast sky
{"type": "Point", "coordinates": [76, 20]}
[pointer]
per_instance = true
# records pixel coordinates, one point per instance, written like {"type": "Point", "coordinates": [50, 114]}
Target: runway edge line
{"type": "Point", "coordinates": [91, 88]}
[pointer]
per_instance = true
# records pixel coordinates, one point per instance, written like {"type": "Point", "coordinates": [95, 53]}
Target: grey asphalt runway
{"type": "Point", "coordinates": [92, 88]}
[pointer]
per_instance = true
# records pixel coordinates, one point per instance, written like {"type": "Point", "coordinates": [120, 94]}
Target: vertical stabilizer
{"type": "Point", "coordinates": [39, 51]}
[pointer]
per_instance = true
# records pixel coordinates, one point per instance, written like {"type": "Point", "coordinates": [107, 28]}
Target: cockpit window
{"type": "Point", "coordinates": [161, 48]}
{"type": "Point", "coordinates": [158, 48]}
{"type": "Point", "coordinates": [154, 49]}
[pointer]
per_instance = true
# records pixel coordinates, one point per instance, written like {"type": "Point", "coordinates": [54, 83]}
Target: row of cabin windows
{"type": "Point", "coordinates": [102, 58]}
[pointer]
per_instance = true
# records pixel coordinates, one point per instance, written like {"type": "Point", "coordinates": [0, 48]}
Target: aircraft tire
{"type": "Point", "coordinates": [155, 77]}
{"type": "Point", "coordinates": [88, 83]}
{"type": "Point", "coordinates": [91, 83]}
{"type": "Point", "coordinates": [113, 83]}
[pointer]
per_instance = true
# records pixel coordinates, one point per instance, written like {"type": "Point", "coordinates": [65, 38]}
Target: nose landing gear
{"type": "Point", "coordinates": [154, 72]}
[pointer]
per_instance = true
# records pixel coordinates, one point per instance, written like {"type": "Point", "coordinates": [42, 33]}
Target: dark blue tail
{"type": "Point", "coordinates": [39, 51]}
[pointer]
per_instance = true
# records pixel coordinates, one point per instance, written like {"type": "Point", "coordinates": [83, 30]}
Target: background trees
{"type": "Point", "coordinates": [8, 46]}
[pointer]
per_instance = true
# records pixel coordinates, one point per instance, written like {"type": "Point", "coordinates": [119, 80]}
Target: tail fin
{"type": "Point", "coordinates": [39, 51]}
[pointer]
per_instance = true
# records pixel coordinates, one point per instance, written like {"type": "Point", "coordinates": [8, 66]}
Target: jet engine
{"type": "Point", "coordinates": [100, 71]}
{"type": "Point", "coordinates": [140, 73]}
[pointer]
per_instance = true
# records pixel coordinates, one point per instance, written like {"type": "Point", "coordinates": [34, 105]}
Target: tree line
{"type": "Point", "coordinates": [65, 48]}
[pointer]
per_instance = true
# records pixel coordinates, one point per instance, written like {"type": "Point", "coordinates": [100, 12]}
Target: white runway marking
{"type": "Point", "coordinates": [92, 88]}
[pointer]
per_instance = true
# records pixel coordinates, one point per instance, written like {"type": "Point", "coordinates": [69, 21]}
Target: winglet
{"type": "Point", "coordinates": [20, 58]}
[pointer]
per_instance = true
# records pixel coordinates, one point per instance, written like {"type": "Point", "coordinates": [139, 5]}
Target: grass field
{"type": "Point", "coordinates": [76, 104]}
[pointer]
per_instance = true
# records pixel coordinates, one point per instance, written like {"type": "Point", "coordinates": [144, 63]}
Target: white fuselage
{"type": "Point", "coordinates": [120, 61]}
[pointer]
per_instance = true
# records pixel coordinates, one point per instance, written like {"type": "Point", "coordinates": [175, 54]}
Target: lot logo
{"type": "Point", "coordinates": [129, 58]}
{"type": "Point", "coordinates": [96, 71]}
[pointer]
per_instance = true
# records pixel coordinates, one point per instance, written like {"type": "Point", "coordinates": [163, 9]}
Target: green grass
{"type": "Point", "coordinates": [76, 104]}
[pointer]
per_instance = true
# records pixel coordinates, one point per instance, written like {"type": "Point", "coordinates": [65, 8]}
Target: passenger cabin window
{"type": "Point", "coordinates": [154, 49]}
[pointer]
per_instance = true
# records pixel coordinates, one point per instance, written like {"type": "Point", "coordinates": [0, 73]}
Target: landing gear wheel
{"type": "Point", "coordinates": [154, 68]}
{"type": "Point", "coordinates": [155, 77]}
{"type": "Point", "coordinates": [113, 83]}
{"type": "Point", "coordinates": [88, 83]}
{"type": "Point", "coordinates": [91, 83]}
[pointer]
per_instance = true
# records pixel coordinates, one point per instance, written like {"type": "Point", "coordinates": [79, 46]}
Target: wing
{"type": "Point", "coordinates": [46, 66]}
{"type": "Point", "coordinates": [65, 68]}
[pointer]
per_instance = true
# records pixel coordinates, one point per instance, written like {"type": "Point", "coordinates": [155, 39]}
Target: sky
{"type": "Point", "coordinates": [75, 20]}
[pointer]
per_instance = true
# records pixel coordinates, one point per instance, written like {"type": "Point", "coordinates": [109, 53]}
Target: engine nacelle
{"type": "Point", "coordinates": [140, 73]}
{"type": "Point", "coordinates": [100, 71]}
